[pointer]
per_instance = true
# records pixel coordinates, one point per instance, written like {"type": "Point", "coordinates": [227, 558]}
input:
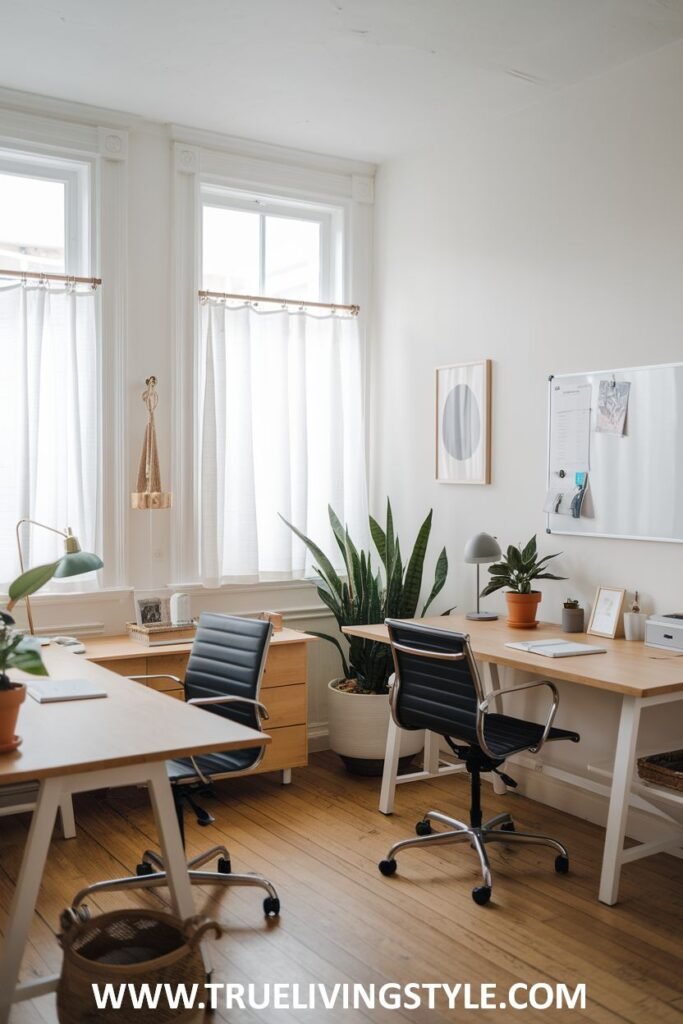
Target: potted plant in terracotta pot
{"type": "Point", "coordinates": [517, 570]}
{"type": "Point", "coordinates": [358, 701]}
{"type": "Point", "coordinates": [16, 651]}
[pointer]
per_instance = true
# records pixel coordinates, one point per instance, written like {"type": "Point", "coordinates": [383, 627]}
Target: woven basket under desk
{"type": "Point", "coordinates": [663, 769]}
{"type": "Point", "coordinates": [134, 947]}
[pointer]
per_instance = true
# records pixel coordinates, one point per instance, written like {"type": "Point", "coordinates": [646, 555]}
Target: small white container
{"type": "Point", "coordinates": [181, 609]}
{"type": "Point", "coordinates": [634, 625]}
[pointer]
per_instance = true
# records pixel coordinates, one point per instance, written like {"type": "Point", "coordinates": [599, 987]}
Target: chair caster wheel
{"type": "Point", "coordinates": [561, 864]}
{"type": "Point", "coordinates": [508, 826]}
{"type": "Point", "coordinates": [74, 915]}
{"type": "Point", "coordinates": [271, 906]}
{"type": "Point", "coordinates": [423, 828]}
{"type": "Point", "coordinates": [481, 894]}
{"type": "Point", "coordinates": [144, 869]}
{"type": "Point", "coordinates": [224, 866]}
{"type": "Point", "coordinates": [387, 867]}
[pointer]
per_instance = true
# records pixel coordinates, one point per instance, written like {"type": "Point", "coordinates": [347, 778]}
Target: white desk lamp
{"type": "Point", "coordinates": [481, 549]}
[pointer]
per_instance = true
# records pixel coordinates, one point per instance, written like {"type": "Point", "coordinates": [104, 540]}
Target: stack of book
{"type": "Point", "coordinates": [158, 635]}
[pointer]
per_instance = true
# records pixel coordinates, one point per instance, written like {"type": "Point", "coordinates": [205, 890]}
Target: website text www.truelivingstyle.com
{"type": "Point", "coordinates": [344, 995]}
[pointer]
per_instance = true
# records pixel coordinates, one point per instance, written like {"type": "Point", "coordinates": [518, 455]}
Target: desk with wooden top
{"type": "Point", "coordinates": [284, 686]}
{"type": "Point", "coordinates": [640, 676]}
{"type": "Point", "coordinates": [81, 745]}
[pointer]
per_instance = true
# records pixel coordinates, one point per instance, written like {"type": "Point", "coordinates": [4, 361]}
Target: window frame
{"type": "Point", "coordinates": [329, 216]}
{"type": "Point", "coordinates": [78, 178]}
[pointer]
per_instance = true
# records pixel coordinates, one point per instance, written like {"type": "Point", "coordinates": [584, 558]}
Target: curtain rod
{"type": "Point", "coordinates": [353, 310]}
{"type": "Point", "coordinates": [64, 278]}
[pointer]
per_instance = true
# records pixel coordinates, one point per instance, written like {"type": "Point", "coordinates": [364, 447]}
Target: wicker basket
{"type": "Point", "coordinates": [663, 769]}
{"type": "Point", "coordinates": [134, 947]}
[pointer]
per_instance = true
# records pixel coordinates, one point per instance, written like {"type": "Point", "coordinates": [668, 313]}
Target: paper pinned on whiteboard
{"type": "Point", "coordinates": [612, 407]}
{"type": "Point", "coordinates": [570, 428]}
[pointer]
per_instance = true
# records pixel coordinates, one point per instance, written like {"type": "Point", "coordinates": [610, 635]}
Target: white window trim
{"type": "Point", "coordinates": [106, 150]}
{"type": "Point", "coordinates": [205, 159]}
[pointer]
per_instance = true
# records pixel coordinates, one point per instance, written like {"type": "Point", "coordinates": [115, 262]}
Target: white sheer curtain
{"type": "Point", "coordinates": [281, 431]}
{"type": "Point", "coordinates": [49, 422]}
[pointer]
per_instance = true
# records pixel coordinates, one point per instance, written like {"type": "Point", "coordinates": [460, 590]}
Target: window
{"type": "Point", "coordinates": [255, 245]}
{"type": "Point", "coordinates": [280, 418]}
{"type": "Point", "coordinates": [49, 385]}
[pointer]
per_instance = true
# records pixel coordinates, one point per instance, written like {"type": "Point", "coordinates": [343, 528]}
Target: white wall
{"type": "Point", "coordinates": [551, 242]}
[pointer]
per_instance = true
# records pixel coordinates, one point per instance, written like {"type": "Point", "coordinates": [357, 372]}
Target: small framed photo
{"type": "Point", "coordinates": [152, 608]}
{"type": "Point", "coordinates": [463, 423]}
{"type": "Point", "coordinates": [605, 617]}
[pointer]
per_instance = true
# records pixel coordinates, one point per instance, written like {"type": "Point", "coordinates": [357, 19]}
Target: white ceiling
{"type": "Point", "coordinates": [361, 78]}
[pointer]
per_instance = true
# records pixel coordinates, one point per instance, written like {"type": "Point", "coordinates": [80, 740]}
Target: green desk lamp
{"type": "Point", "coordinates": [73, 562]}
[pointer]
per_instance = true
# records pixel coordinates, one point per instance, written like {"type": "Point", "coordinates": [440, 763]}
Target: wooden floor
{"type": "Point", "coordinates": [319, 841]}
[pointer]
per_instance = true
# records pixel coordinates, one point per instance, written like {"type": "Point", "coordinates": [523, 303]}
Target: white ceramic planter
{"type": "Point", "coordinates": [359, 723]}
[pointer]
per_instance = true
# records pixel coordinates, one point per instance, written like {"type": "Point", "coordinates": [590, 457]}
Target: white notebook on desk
{"type": "Point", "coordinates": [49, 691]}
{"type": "Point", "coordinates": [556, 648]}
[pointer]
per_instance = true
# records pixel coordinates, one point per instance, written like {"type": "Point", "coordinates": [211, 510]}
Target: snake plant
{"type": "Point", "coordinates": [368, 592]}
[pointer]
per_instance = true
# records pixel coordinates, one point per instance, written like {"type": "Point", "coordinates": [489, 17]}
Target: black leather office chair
{"type": "Point", "coordinates": [437, 687]}
{"type": "Point", "coordinates": [224, 673]}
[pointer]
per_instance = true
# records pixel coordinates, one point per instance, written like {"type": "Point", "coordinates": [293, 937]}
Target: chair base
{"type": "Point", "coordinates": [500, 829]}
{"type": "Point", "coordinates": [152, 875]}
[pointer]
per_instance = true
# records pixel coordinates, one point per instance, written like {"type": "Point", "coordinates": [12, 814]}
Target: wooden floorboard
{"type": "Point", "coordinates": [319, 841]}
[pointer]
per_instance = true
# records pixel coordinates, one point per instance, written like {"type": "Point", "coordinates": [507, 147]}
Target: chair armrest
{"type": "Point", "coordinates": [484, 706]}
{"type": "Point", "coordinates": [262, 709]}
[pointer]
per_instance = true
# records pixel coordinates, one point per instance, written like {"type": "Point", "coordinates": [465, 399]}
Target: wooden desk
{"type": "Point", "coordinates": [284, 687]}
{"type": "Point", "coordinates": [639, 676]}
{"type": "Point", "coordinates": [75, 746]}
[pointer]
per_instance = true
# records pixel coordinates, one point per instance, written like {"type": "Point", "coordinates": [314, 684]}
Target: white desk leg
{"type": "Point", "coordinates": [286, 776]}
{"type": "Point", "coordinates": [171, 842]}
{"type": "Point", "coordinates": [622, 779]}
{"type": "Point", "coordinates": [66, 814]}
{"type": "Point", "coordinates": [432, 752]}
{"type": "Point", "coordinates": [390, 772]}
{"type": "Point", "coordinates": [26, 891]}
{"type": "Point", "coordinates": [499, 787]}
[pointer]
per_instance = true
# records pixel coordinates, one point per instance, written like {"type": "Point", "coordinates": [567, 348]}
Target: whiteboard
{"type": "Point", "coordinates": [634, 486]}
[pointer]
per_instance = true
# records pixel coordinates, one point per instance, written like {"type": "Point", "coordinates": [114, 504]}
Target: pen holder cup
{"type": "Point", "coordinates": [572, 620]}
{"type": "Point", "coordinates": [634, 625]}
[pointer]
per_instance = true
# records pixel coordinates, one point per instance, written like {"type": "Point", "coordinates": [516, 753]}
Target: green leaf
{"type": "Point", "coordinates": [380, 540]}
{"type": "Point", "coordinates": [548, 576]}
{"type": "Point", "coordinates": [390, 540]}
{"type": "Point", "coordinates": [495, 584]}
{"type": "Point", "coordinates": [530, 551]}
{"type": "Point", "coordinates": [440, 574]}
{"type": "Point", "coordinates": [412, 583]}
{"type": "Point", "coordinates": [31, 581]}
{"type": "Point", "coordinates": [514, 558]}
{"type": "Point", "coordinates": [333, 640]}
{"type": "Point", "coordinates": [326, 568]}
{"type": "Point", "coordinates": [27, 657]}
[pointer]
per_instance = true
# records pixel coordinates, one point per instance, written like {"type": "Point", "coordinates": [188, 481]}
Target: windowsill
{"type": "Point", "coordinates": [121, 593]}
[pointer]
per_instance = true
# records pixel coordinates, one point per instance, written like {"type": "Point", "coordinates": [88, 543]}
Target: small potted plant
{"type": "Point", "coordinates": [16, 651]}
{"type": "Point", "coordinates": [517, 570]}
{"type": "Point", "coordinates": [572, 616]}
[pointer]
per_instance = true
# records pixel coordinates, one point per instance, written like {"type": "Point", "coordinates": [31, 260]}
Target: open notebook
{"type": "Point", "coordinates": [556, 648]}
{"type": "Point", "coordinates": [49, 691]}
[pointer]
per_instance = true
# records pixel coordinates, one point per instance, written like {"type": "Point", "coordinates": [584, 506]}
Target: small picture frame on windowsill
{"type": "Point", "coordinates": [606, 619]}
{"type": "Point", "coordinates": [152, 608]}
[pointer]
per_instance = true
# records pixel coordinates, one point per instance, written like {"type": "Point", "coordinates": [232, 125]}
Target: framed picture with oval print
{"type": "Point", "coordinates": [463, 423]}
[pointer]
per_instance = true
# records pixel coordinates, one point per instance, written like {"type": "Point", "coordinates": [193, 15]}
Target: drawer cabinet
{"type": "Point", "coordinates": [283, 688]}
